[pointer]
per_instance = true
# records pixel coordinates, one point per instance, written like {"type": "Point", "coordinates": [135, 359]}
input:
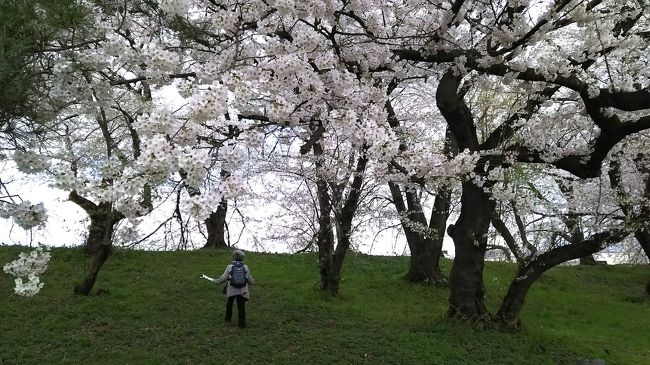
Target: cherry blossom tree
{"type": "Point", "coordinates": [535, 44]}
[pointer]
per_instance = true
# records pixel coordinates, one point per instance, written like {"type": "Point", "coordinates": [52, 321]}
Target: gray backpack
{"type": "Point", "coordinates": [238, 275]}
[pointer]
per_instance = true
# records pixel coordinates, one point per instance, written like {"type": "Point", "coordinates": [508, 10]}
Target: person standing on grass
{"type": "Point", "coordinates": [238, 278]}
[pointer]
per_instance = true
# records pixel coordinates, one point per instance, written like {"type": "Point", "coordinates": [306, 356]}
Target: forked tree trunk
{"type": "Point", "coordinates": [331, 260]}
{"type": "Point", "coordinates": [425, 247]}
{"type": "Point", "coordinates": [216, 226]}
{"type": "Point", "coordinates": [344, 224]}
{"type": "Point", "coordinates": [325, 237]}
{"type": "Point", "coordinates": [424, 263]}
{"type": "Point", "coordinates": [467, 294]}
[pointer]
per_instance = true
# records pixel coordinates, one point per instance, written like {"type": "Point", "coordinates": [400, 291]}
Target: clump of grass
{"type": "Point", "coordinates": [151, 307]}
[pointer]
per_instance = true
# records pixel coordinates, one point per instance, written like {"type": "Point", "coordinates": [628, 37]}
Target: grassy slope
{"type": "Point", "coordinates": [157, 311]}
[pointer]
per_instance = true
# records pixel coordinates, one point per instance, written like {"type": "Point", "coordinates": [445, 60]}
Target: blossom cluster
{"type": "Point", "coordinates": [25, 214]}
{"type": "Point", "coordinates": [29, 162]}
{"type": "Point", "coordinates": [29, 266]}
{"type": "Point", "coordinates": [174, 7]}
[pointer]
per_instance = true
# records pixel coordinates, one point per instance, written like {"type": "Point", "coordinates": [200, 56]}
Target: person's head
{"type": "Point", "coordinates": [238, 255]}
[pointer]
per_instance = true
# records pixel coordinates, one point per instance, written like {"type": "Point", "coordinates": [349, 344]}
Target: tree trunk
{"type": "Point", "coordinates": [503, 230]}
{"type": "Point", "coordinates": [216, 226]}
{"type": "Point", "coordinates": [325, 239]}
{"type": "Point", "coordinates": [424, 266]}
{"type": "Point", "coordinates": [98, 244]}
{"type": "Point", "coordinates": [344, 225]}
{"type": "Point", "coordinates": [96, 232]}
{"type": "Point", "coordinates": [103, 219]}
{"type": "Point", "coordinates": [588, 260]}
{"type": "Point", "coordinates": [513, 302]}
{"type": "Point", "coordinates": [467, 296]}
{"type": "Point", "coordinates": [643, 237]}
{"type": "Point", "coordinates": [88, 282]}
{"type": "Point", "coordinates": [426, 248]}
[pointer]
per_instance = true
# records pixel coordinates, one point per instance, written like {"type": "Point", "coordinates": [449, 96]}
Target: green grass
{"type": "Point", "coordinates": [157, 311]}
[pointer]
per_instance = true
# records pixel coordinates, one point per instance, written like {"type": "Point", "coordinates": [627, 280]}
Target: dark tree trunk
{"type": "Point", "coordinates": [96, 232]}
{"type": "Point", "coordinates": [344, 224]}
{"type": "Point", "coordinates": [643, 237]}
{"type": "Point", "coordinates": [503, 230]}
{"type": "Point", "coordinates": [325, 238]}
{"type": "Point", "coordinates": [424, 265]}
{"type": "Point", "coordinates": [100, 238]}
{"type": "Point", "coordinates": [438, 227]}
{"type": "Point", "coordinates": [88, 282]}
{"type": "Point", "coordinates": [513, 302]}
{"type": "Point", "coordinates": [330, 260]}
{"type": "Point", "coordinates": [467, 295]}
{"type": "Point", "coordinates": [466, 298]}
{"type": "Point", "coordinates": [426, 248]}
{"type": "Point", "coordinates": [216, 226]}
{"type": "Point", "coordinates": [588, 260]}
{"type": "Point", "coordinates": [572, 222]}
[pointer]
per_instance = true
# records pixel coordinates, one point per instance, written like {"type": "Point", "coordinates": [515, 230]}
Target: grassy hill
{"type": "Point", "coordinates": [153, 309]}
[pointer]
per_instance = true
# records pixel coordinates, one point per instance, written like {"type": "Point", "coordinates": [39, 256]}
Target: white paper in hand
{"type": "Point", "coordinates": [206, 277]}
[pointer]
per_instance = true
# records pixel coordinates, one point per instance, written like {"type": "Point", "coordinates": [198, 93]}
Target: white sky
{"type": "Point", "coordinates": [66, 225]}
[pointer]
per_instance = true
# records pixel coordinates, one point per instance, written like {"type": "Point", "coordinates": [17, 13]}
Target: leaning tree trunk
{"type": "Point", "coordinates": [216, 226]}
{"type": "Point", "coordinates": [513, 302]}
{"type": "Point", "coordinates": [99, 242]}
{"type": "Point", "coordinates": [86, 285]}
{"type": "Point", "coordinates": [643, 237]}
{"type": "Point", "coordinates": [503, 230]}
{"type": "Point", "coordinates": [467, 296]}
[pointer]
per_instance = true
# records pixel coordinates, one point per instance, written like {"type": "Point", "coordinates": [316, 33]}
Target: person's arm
{"type": "Point", "coordinates": [224, 277]}
{"type": "Point", "coordinates": [249, 276]}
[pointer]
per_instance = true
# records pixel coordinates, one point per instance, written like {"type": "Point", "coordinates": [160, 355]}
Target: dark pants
{"type": "Point", "coordinates": [241, 309]}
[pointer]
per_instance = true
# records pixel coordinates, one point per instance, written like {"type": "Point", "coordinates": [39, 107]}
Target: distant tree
{"type": "Point", "coordinates": [424, 238]}
{"type": "Point", "coordinates": [634, 197]}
